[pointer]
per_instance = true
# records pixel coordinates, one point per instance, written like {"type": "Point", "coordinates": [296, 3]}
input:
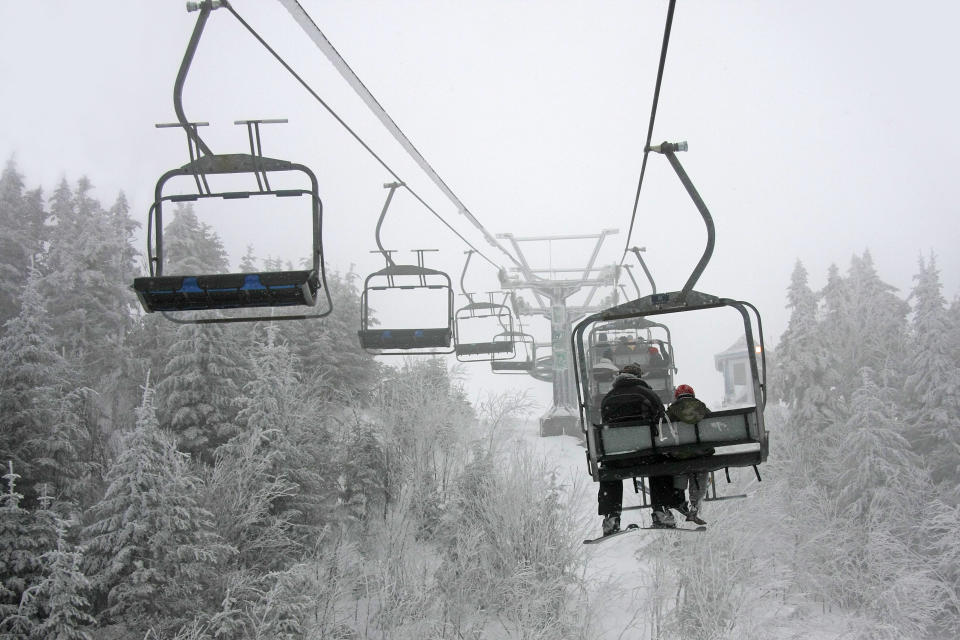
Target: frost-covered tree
{"type": "Point", "coordinates": [191, 247]}
{"type": "Point", "coordinates": [866, 324]}
{"type": "Point", "coordinates": [883, 490]}
{"type": "Point", "coordinates": [802, 353]}
{"type": "Point", "coordinates": [88, 270]}
{"type": "Point", "coordinates": [199, 382]}
{"type": "Point", "coordinates": [198, 389]}
{"type": "Point", "coordinates": [332, 362]}
{"type": "Point", "coordinates": [61, 594]}
{"type": "Point", "coordinates": [933, 384]}
{"type": "Point", "coordinates": [21, 218]}
{"type": "Point", "coordinates": [425, 417]}
{"type": "Point", "coordinates": [20, 558]}
{"type": "Point", "coordinates": [149, 547]}
{"type": "Point", "coordinates": [292, 429]}
{"type": "Point", "coordinates": [38, 422]}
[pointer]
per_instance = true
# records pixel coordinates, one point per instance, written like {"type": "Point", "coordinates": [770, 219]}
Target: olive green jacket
{"type": "Point", "coordinates": [689, 410]}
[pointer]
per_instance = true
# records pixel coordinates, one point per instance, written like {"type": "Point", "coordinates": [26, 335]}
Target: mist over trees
{"type": "Point", "coordinates": [274, 481]}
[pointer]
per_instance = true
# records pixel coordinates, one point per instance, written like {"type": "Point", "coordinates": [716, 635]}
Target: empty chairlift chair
{"type": "Point", "coordinates": [479, 316]}
{"type": "Point", "coordinates": [412, 281]}
{"type": "Point", "coordinates": [170, 293]}
{"type": "Point", "coordinates": [525, 353]}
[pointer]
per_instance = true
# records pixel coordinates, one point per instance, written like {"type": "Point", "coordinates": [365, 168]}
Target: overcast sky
{"type": "Point", "coordinates": [817, 128]}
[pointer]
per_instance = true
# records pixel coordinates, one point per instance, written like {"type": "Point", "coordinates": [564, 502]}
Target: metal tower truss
{"type": "Point", "coordinates": [552, 288]}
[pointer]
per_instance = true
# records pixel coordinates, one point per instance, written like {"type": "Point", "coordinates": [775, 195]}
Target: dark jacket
{"type": "Point", "coordinates": [631, 399]}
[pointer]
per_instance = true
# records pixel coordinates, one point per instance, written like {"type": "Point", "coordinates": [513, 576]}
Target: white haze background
{"type": "Point", "coordinates": [816, 129]}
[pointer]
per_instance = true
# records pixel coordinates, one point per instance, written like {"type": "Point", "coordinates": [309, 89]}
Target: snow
{"type": "Point", "coordinates": [618, 572]}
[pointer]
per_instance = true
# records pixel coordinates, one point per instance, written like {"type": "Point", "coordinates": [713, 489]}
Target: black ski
{"type": "Point", "coordinates": [630, 527]}
{"type": "Point", "coordinates": [688, 529]}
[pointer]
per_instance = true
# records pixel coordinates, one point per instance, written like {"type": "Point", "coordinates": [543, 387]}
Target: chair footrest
{"type": "Point", "coordinates": [227, 291]}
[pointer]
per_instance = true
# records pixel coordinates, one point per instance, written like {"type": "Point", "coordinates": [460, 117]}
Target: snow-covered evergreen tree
{"type": "Point", "coordinates": [933, 384]}
{"type": "Point", "coordinates": [149, 547]}
{"type": "Point", "coordinates": [21, 218]}
{"type": "Point", "coordinates": [332, 362]}
{"type": "Point", "coordinates": [60, 595]}
{"type": "Point", "coordinates": [20, 558]}
{"type": "Point", "coordinates": [88, 270]}
{"type": "Point", "coordinates": [38, 413]}
{"type": "Point", "coordinates": [198, 389]}
{"type": "Point", "coordinates": [199, 381]}
{"type": "Point", "coordinates": [191, 247]}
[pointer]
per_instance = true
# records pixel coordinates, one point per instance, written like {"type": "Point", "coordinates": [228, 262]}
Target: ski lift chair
{"type": "Point", "coordinates": [724, 439]}
{"type": "Point", "coordinates": [525, 353]}
{"type": "Point", "coordinates": [205, 292]}
{"type": "Point", "coordinates": [411, 279]}
{"type": "Point", "coordinates": [484, 313]}
{"type": "Point", "coordinates": [727, 438]}
{"type": "Point", "coordinates": [196, 293]}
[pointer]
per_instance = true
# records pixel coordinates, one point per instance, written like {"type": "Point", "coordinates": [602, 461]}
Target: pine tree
{"type": "Point", "coordinates": [20, 559]}
{"type": "Point", "coordinates": [191, 247]}
{"type": "Point", "coordinates": [89, 268]}
{"type": "Point", "coordinates": [801, 352]}
{"type": "Point", "coordinates": [20, 241]}
{"type": "Point", "coordinates": [38, 413]}
{"type": "Point", "coordinates": [149, 548]}
{"type": "Point", "coordinates": [933, 384]}
{"type": "Point", "coordinates": [334, 365]}
{"type": "Point", "coordinates": [60, 595]}
{"type": "Point", "coordinates": [202, 367]}
{"type": "Point", "coordinates": [198, 389]}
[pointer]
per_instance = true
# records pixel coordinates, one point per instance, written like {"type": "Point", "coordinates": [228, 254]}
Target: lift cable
{"type": "Point", "coordinates": [653, 117]}
{"type": "Point", "coordinates": [316, 96]}
{"type": "Point", "coordinates": [310, 27]}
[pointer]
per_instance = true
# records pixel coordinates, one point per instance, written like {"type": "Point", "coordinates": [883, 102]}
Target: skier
{"type": "Point", "coordinates": [632, 399]}
{"type": "Point", "coordinates": [687, 408]}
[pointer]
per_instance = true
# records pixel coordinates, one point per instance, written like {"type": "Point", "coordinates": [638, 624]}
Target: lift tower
{"type": "Point", "coordinates": [552, 288]}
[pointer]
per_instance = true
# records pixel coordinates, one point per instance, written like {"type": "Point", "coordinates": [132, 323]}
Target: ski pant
{"type": "Point", "coordinates": [663, 493]}
{"type": "Point", "coordinates": [695, 485]}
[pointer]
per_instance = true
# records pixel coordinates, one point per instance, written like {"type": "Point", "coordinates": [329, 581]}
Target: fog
{"type": "Point", "coordinates": [816, 129]}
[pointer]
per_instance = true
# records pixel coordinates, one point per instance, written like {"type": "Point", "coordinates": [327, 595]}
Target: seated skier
{"type": "Point", "coordinates": [630, 399]}
{"type": "Point", "coordinates": [687, 408]}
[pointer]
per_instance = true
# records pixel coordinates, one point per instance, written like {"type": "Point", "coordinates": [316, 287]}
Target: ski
{"type": "Point", "coordinates": [628, 529]}
{"type": "Point", "coordinates": [688, 529]}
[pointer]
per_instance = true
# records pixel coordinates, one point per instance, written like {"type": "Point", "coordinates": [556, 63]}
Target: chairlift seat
{"type": "Point", "coordinates": [512, 365]}
{"type": "Point", "coordinates": [405, 338]}
{"type": "Point", "coordinates": [728, 438]}
{"type": "Point", "coordinates": [227, 291]}
{"type": "Point", "coordinates": [484, 348]}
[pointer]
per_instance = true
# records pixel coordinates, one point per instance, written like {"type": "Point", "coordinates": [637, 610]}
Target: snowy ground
{"type": "Point", "coordinates": [618, 572]}
{"type": "Point", "coordinates": [613, 570]}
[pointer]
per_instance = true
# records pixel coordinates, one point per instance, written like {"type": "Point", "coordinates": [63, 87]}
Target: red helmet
{"type": "Point", "coordinates": [683, 390]}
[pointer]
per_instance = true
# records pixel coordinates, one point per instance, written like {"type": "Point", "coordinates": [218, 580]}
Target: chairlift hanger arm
{"type": "Point", "coordinates": [669, 149]}
{"type": "Point", "coordinates": [383, 213]}
{"type": "Point", "coordinates": [653, 285]}
{"type": "Point", "coordinates": [204, 7]}
{"type": "Point", "coordinates": [463, 274]}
